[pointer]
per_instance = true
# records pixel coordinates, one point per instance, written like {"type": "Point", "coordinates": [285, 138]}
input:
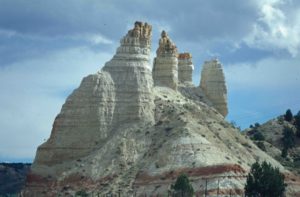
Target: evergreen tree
{"type": "Point", "coordinates": [183, 187]}
{"type": "Point", "coordinates": [288, 138]}
{"type": "Point", "coordinates": [258, 136]}
{"type": "Point", "coordinates": [288, 115]}
{"type": "Point", "coordinates": [264, 180]}
{"type": "Point", "coordinates": [297, 123]}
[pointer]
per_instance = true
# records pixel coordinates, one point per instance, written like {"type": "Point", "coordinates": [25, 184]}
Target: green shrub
{"type": "Point", "coordinates": [261, 145]}
{"type": "Point", "coordinates": [258, 136]}
{"type": "Point", "coordinates": [264, 180]}
{"type": "Point", "coordinates": [297, 124]}
{"type": "Point", "coordinates": [288, 115]}
{"type": "Point", "coordinates": [183, 187]}
{"type": "Point", "coordinates": [284, 152]}
{"type": "Point", "coordinates": [81, 193]}
{"type": "Point", "coordinates": [288, 138]}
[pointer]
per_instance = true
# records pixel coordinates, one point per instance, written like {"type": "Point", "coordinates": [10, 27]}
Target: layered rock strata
{"type": "Point", "coordinates": [118, 136]}
{"type": "Point", "coordinates": [185, 68]}
{"type": "Point", "coordinates": [130, 71]}
{"type": "Point", "coordinates": [213, 85]}
{"type": "Point", "coordinates": [120, 93]}
{"type": "Point", "coordinates": [165, 67]}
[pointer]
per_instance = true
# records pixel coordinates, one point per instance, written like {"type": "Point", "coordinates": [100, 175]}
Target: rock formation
{"type": "Point", "coordinates": [165, 68]}
{"type": "Point", "coordinates": [117, 134]}
{"type": "Point", "coordinates": [213, 84]}
{"type": "Point", "coordinates": [120, 93]}
{"type": "Point", "coordinates": [130, 71]}
{"type": "Point", "coordinates": [185, 68]}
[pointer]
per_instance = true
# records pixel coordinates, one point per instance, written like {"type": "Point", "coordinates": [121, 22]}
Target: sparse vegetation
{"type": "Point", "coordinates": [183, 187]}
{"type": "Point", "coordinates": [288, 138]}
{"type": "Point", "coordinates": [288, 141]}
{"type": "Point", "coordinates": [261, 145]}
{"type": "Point", "coordinates": [258, 136]}
{"type": "Point", "coordinates": [264, 180]}
{"type": "Point", "coordinates": [81, 193]}
{"type": "Point", "coordinates": [297, 124]}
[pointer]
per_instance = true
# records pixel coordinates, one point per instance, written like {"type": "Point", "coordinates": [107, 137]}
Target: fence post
{"type": "Point", "coordinates": [218, 191]}
{"type": "Point", "coordinates": [205, 193]}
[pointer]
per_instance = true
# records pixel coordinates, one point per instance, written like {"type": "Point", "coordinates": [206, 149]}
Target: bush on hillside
{"type": "Point", "coordinates": [288, 138]}
{"type": "Point", "coordinates": [297, 124]}
{"type": "Point", "coordinates": [183, 187]}
{"type": "Point", "coordinates": [258, 136]}
{"type": "Point", "coordinates": [288, 115]}
{"type": "Point", "coordinates": [264, 180]}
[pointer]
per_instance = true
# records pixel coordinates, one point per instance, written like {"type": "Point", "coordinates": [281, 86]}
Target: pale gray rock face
{"type": "Point", "coordinates": [185, 68]}
{"type": "Point", "coordinates": [121, 93]}
{"type": "Point", "coordinates": [165, 67]}
{"type": "Point", "coordinates": [213, 85]}
{"type": "Point", "coordinates": [83, 122]}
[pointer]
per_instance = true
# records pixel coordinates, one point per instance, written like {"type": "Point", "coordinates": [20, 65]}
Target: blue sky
{"type": "Point", "coordinates": [47, 47]}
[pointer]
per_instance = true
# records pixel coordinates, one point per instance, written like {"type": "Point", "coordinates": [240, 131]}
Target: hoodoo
{"type": "Point", "coordinates": [213, 84]}
{"type": "Point", "coordinates": [185, 68]}
{"type": "Point", "coordinates": [165, 68]}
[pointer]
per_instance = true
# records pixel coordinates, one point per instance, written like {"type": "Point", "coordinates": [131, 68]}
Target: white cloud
{"type": "Point", "coordinates": [276, 28]}
{"type": "Point", "coordinates": [275, 74]}
{"type": "Point", "coordinates": [32, 93]}
{"type": "Point", "coordinates": [93, 38]}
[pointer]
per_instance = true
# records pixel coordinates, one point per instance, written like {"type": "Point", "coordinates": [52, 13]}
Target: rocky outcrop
{"type": "Point", "coordinates": [185, 68]}
{"type": "Point", "coordinates": [213, 85]}
{"type": "Point", "coordinates": [165, 67]}
{"type": "Point", "coordinates": [120, 93]}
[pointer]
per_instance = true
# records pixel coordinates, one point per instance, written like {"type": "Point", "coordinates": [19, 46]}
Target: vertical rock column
{"type": "Point", "coordinates": [213, 85]}
{"type": "Point", "coordinates": [165, 68]}
{"type": "Point", "coordinates": [185, 68]}
{"type": "Point", "coordinates": [131, 73]}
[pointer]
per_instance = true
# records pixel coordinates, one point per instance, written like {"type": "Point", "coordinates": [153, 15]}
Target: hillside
{"type": "Point", "coordinates": [272, 141]}
{"type": "Point", "coordinates": [12, 177]}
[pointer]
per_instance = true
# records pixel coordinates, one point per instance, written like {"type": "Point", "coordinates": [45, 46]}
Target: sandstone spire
{"type": "Point", "coordinates": [185, 68]}
{"type": "Point", "coordinates": [213, 85]}
{"type": "Point", "coordinates": [131, 73]}
{"type": "Point", "coordinates": [165, 66]}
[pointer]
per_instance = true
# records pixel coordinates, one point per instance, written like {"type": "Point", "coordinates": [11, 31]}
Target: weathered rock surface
{"type": "Point", "coordinates": [213, 84]}
{"type": "Point", "coordinates": [165, 67]}
{"type": "Point", "coordinates": [120, 93]}
{"type": "Point", "coordinates": [116, 134]}
{"type": "Point", "coordinates": [185, 68]}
